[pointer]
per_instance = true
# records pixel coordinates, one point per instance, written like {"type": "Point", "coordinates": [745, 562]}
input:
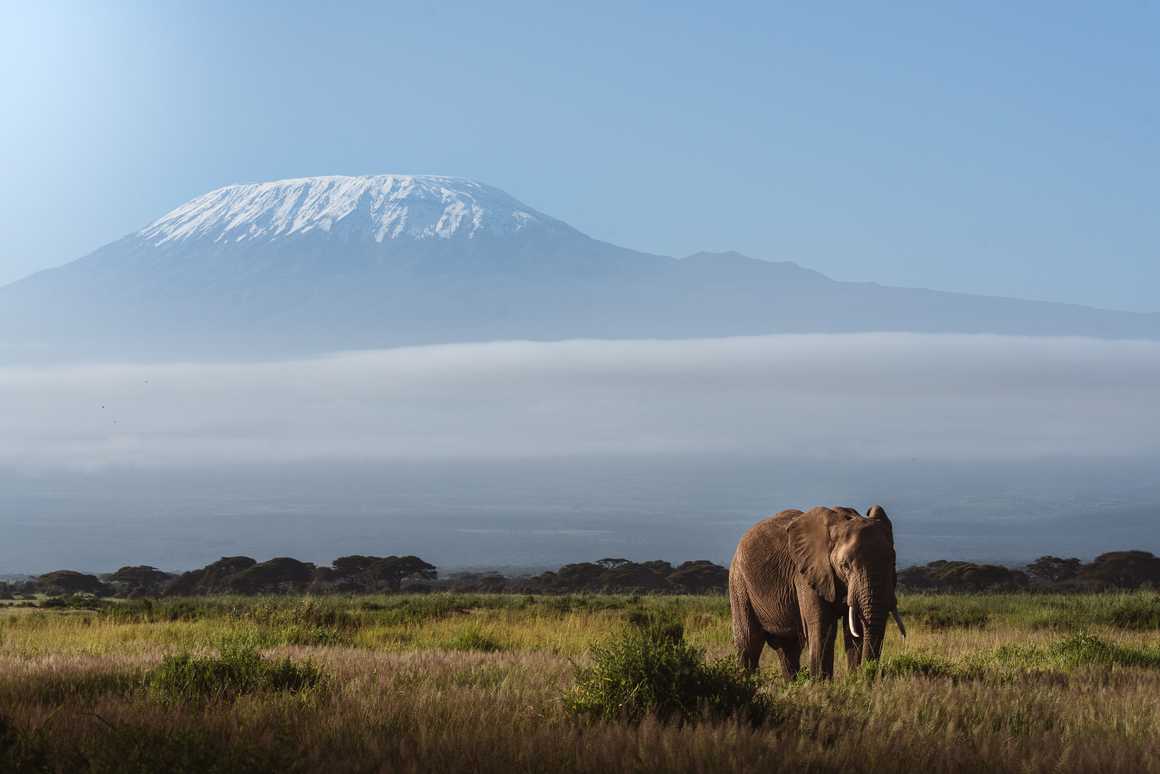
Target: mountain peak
{"type": "Point", "coordinates": [312, 265]}
{"type": "Point", "coordinates": [373, 207]}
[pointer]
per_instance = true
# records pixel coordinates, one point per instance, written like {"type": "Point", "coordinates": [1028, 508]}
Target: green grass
{"type": "Point", "coordinates": [911, 665]}
{"type": "Point", "coordinates": [1132, 612]}
{"type": "Point", "coordinates": [442, 682]}
{"type": "Point", "coordinates": [947, 613]}
{"type": "Point", "coordinates": [475, 639]}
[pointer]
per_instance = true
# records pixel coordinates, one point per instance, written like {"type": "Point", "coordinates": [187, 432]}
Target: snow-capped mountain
{"type": "Point", "coordinates": [371, 208]}
{"type": "Point", "coordinates": [326, 263]}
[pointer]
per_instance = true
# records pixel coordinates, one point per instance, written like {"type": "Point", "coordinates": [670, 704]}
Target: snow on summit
{"type": "Point", "coordinates": [360, 208]}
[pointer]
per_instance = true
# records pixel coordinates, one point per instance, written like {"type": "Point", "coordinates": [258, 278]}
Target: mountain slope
{"type": "Point", "coordinates": [318, 264]}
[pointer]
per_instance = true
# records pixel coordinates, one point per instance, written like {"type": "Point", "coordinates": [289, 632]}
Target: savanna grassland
{"type": "Point", "coordinates": [442, 682]}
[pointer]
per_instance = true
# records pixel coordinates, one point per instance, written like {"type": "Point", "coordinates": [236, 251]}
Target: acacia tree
{"type": "Point", "coordinates": [380, 573]}
{"type": "Point", "coordinates": [1052, 569]}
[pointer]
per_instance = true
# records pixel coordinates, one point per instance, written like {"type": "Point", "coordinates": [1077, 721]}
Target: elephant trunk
{"type": "Point", "coordinates": [873, 600]}
{"type": "Point", "coordinates": [872, 641]}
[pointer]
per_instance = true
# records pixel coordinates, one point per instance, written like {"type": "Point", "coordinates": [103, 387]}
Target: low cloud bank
{"type": "Point", "coordinates": [847, 397]}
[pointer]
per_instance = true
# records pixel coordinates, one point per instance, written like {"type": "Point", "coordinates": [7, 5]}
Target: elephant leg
{"type": "Point", "coordinates": [822, 654]}
{"type": "Point", "coordinates": [748, 636]}
{"type": "Point", "coordinates": [749, 649]}
{"type": "Point", "coordinates": [821, 626]}
{"type": "Point", "coordinates": [789, 652]}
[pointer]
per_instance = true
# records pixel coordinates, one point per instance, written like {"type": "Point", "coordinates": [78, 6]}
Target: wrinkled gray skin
{"type": "Point", "coordinates": [795, 578]}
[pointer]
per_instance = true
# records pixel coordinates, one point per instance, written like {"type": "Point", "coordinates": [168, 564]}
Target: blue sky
{"type": "Point", "coordinates": [970, 147]}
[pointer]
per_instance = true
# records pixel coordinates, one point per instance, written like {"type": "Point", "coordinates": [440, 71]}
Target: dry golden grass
{"type": "Point", "coordinates": [407, 692]}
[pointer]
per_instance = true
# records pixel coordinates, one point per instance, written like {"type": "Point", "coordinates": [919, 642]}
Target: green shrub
{"type": "Point", "coordinates": [909, 665]}
{"type": "Point", "coordinates": [1015, 657]}
{"type": "Point", "coordinates": [474, 639]}
{"type": "Point", "coordinates": [153, 610]}
{"type": "Point", "coordinates": [651, 670]}
{"type": "Point", "coordinates": [182, 611]}
{"type": "Point", "coordinates": [305, 614]}
{"type": "Point", "coordinates": [1084, 650]}
{"type": "Point", "coordinates": [658, 624]}
{"type": "Point", "coordinates": [237, 670]}
{"type": "Point", "coordinates": [947, 613]}
{"type": "Point", "coordinates": [311, 635]}
{"type": "Point", "coordinates": [74, 602]}
{"type": "Point", "coordinates": [1076, 651]}
{"type": "Point", "coordinates": [1139, 612]}
{"type": "Point", "coordinates": [955, 618]}
{"type": "Point", "coordinates": [418, 610]}
{"type": "Point", "coordinates": [586, 603]}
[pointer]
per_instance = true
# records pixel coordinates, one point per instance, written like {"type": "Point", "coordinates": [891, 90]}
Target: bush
{"type": "Point", "coordinates": [651, 670]}
{"type": "Point", "coordinates": [73, 602]}
{"type": "Point", "coordinates": [1084, 650]}
{"type": "Point", "coordinates": [181, 611]}
{"type": "Point", "coordinates": [909, 665]}
{"type": "Point", "coordinates": [1138, 612]}
{"type": "Point", "coordinates": [474, 639]}
{"type": "Point", "coordinates": [573, 603]}
{"type": "Point", "coordinates": [307, 613]}
{"type": "Point", "coordinates": [956, 617]}
{"type": "Point", "coordinates": [418, 611]}
{"type": "Point", "coordinates": [311, 636]}
{"type": "Point", "coordinates": [145, 610]}
{"type": "Point", "coordinates": [237, 670]}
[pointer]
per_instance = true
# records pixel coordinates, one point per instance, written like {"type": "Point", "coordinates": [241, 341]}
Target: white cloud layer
{"type": "Point", "coordinates": [847, 397]}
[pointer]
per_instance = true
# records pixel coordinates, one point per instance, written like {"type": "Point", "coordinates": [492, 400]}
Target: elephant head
{"type": "Point", "coordinates": [843, 555]}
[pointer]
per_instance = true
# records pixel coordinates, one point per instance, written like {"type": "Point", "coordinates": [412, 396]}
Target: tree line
{"type": "Point", "coordinates": [360, 574]}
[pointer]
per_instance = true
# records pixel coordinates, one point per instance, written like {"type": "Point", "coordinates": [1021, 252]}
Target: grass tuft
{"type": "Point", "coordinates": [1086, 650]}
{"type": "Point", "coordinates": [474, 639]}
{"type": "Point", "coordinates": [236, 671]}
{"type": "Point", "coordinates": [947, 612]}
{"type": "Point", "coordinates": [1138, 612]}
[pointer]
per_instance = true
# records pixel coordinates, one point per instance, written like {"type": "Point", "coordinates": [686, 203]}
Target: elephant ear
{"type": "Point", "coordinates": [877, 515]}
{"type": "Point", "coordinates": [810, 543]}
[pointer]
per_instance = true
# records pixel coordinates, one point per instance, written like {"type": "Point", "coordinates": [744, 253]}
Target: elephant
{"type": "Point", "coordinates": [798, 577]}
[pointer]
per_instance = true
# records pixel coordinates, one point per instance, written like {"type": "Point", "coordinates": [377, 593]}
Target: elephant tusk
{"type": "Point", "coordinates": [853, 631]}
{"type": "Point", "coordinates": [898, 620]}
